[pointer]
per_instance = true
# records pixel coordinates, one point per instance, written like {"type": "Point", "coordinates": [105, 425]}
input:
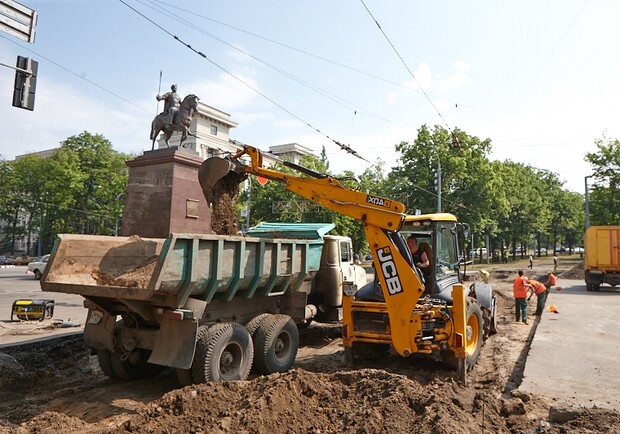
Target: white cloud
{"type": "Point", "coordinates": [457, 80]}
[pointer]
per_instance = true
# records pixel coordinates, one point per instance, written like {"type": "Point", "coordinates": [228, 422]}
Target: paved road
{"type": "Point", "coordinates": [574, 355]}
{"type": "Point", "coordinates": [15, 284]}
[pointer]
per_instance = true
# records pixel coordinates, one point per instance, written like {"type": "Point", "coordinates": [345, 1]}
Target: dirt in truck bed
{"type": "Point", "coordinates": [60, 389]}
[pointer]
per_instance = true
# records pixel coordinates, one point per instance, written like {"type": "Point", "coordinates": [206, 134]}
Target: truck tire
{"type": "Point", "coordinates": [473, 338]}
{"type": "Point", "coordinates": [105, 363]}
{"type": "Point", "coordinates": [37, 274]}
{"type": "Point", "coordinates": [588, 287]}
{"type": "Point", "coordinates": [134, 366]}
{"type": "Point", "coordinates": [224, 353]}
{"type": "Point", "coordinates": [255, 323]}
{"type": "Point", "coordinates": [275, 344]}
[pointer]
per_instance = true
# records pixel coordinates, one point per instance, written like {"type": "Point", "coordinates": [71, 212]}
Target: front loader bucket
{"type": "Point", "coordinates": [213, 170]}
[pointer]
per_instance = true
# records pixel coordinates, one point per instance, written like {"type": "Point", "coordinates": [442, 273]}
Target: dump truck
{"type": "Point", "coordinates": [210, 306]}
{"type": "Point", "coordinates": [602, 256]}
{"type": "Point", "coordinates": [401, 309]}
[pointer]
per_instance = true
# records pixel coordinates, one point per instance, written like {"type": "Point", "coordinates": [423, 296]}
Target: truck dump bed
{"type": "Point", "coordinates": [166, 272]}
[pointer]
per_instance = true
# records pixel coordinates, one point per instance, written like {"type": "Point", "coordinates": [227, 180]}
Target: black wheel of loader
{"type": "Point", "coordinates": [473, 339]}
{"type": "Point", "coordinates": [224, 353]}
{"type": "Point", "coordinates": [184, 376]}
{"type": "Point", "coordinates": [589, 287]}
{"type": "Point", "coordinates": [275, 344]}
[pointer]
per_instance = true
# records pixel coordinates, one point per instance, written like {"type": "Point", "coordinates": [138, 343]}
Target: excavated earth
{"type": "Point", "coordinates": [58, 388]}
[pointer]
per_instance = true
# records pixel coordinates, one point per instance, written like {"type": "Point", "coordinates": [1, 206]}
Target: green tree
{"type": "Point", "coordinates": [102, 176]}
{"type": "Point", "coordinates": [604, 196]}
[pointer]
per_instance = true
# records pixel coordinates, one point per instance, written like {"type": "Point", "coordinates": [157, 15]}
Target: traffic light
{"type": "Point", "coordinates": [25, 83]}
{"type": "Point", "coordinates": [437, 181]}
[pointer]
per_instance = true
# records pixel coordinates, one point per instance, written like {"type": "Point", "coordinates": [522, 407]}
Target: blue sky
{"type": "Point", "coordinates": [540, 79]}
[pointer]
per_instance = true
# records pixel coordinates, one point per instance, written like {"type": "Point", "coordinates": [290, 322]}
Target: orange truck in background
{"type": "Point", "coordinates": [602, 256]}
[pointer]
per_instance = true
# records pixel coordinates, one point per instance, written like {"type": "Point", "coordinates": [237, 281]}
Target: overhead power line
{"type": "Point", "coordinates": [411, 74]}
{"type": "Point", "coordinates": [346, 148]}
{"type": "Point", "coordinates": [77, 75]}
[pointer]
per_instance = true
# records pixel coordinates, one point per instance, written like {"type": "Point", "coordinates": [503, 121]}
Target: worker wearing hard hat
{"type": "Point", "coordinates": [541, 293]}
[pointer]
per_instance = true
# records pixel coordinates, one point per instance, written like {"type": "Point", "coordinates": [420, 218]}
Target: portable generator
{"type": "Point", "coordinates": [32, 310]}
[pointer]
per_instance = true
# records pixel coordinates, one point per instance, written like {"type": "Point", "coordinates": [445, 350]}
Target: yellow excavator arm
{"type": "Point", "coordinates": [380, 217]}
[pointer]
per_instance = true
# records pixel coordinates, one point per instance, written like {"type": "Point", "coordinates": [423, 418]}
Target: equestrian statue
{"type": "Point", "coordinates": [177, 116]}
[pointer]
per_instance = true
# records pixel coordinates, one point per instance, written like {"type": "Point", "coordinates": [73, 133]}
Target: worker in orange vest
{"type": "Point", "coordinates": [541, 293]}
{"type": "Point", "coordinates": [552, 280]}
{"type": "Point", "coordinates": [520, 288]}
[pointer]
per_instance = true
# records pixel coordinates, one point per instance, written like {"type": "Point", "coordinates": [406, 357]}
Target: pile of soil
{"type": "Point", "coordinates": [58, 387]}
{"type": "Point", "coordinates": [223, 215]}
{"type": "Point", "coordinates": [577, 272]}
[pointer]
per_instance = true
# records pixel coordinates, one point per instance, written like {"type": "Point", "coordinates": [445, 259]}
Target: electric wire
{"type": "Point", "coordinates": [412, 75]}
{"type": "Point", "coordinates": [344, 147]}
{"type": "Point", "coordinates": [542, 66]}
{"type": "Point", "coordinates": [335, 98]}
{"type": "Point", "coordinates": [77, 75]}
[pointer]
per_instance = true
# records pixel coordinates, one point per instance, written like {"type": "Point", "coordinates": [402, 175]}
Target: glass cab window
{"type": "Point", "coordinates": [446, 261]}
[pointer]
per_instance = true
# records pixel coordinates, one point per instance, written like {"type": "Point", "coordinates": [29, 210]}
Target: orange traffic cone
{"type": "Point", "coordinates": [553, 309]}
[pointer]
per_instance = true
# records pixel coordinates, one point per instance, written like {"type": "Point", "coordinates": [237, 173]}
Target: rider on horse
{"type": "Point", "coordinates": [171, 105]}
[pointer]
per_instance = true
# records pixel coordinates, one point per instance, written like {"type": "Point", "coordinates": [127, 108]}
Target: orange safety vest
{"type": "Point", "coordinates": [519, 289]}
{"type": "Point", "coordinates": [551, 280]}
{"type": "Point", "coordinates": [539, 288]}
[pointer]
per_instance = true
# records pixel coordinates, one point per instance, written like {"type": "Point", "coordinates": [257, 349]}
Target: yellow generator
{"type": "Point", "coordinates": [32, 310]}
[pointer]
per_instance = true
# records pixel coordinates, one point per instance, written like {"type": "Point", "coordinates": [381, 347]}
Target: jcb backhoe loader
{"type": "Point", "coordinates": [398, 309]}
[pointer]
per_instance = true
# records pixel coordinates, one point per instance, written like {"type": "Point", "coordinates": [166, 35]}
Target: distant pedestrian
{"type": "Point", "coordinates": [555, 262]}
{"type": "Point", "coordinates": [520, 288]}
{"type": "Point", "coordinates": [541, 293]}
{"type": "Point", "coordinates": [531, 266]}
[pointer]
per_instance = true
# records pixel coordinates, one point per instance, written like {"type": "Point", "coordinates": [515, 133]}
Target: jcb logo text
{"type": "Point", "coordinates": [390, 273]}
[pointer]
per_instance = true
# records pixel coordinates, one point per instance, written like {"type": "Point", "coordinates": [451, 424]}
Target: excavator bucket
{"type": "Point", "coordinates": [216, 169]}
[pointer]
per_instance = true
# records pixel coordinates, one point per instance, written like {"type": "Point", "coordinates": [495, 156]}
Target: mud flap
{"type": "Point", "coordinates": [99, 329]}
{"type": "Point", "coordinates": [175, 343]}
{"type": "Point", "coordinates": [459, 317]}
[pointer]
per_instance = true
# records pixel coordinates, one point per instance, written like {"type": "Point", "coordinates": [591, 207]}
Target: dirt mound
{"type": "Point", "coordinates": [362, 401]}
{"type": "Point", "coordinates": [577, 272]}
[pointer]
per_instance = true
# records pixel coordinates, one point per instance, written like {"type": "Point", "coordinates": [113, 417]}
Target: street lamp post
{"type": "Point", "coordinates": [587, 202]}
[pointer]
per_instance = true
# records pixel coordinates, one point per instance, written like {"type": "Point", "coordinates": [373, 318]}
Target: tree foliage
{"type": "Point", "coordinates": [604, 193]}
{"type": "Point", "coordinates": [75, 190]}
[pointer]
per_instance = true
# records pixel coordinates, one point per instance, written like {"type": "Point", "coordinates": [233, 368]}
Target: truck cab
{"type": "Point", "coordinates": [337, 267]}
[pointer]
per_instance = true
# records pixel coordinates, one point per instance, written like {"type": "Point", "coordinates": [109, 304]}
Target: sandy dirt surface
{"type": "Point", "coordinates": [59, 388]}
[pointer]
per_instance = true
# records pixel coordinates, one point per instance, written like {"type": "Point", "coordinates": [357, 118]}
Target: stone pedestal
{"type": "Point", "coordinates": [163, 195]}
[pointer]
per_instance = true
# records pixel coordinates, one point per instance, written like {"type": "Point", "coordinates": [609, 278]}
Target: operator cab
{"type": "Point", "coordinates": [440, 232]}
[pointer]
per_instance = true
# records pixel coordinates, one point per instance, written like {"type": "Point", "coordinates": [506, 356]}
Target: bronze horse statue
{"type": "Point", "coordinates": [181, 122]}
